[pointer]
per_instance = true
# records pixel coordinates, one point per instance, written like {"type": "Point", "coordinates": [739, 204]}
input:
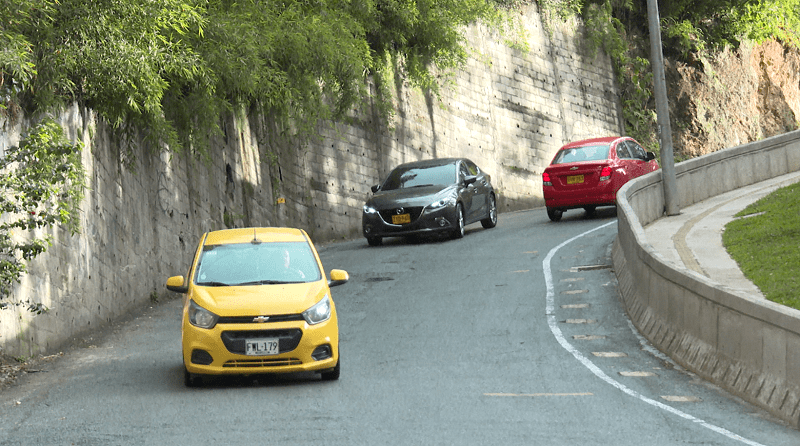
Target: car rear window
{"type": "Point", "coordinates": [405, 177]}
{"type": "Point", "coordinates": [255, 264]}
{"type": "Point", "coordinates": [585, 153]}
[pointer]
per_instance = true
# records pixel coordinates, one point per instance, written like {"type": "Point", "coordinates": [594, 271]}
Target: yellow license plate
{"type": "Point", "coordinates": [401, 219]}
{"type": "Point", "coordinates": [575, 179]}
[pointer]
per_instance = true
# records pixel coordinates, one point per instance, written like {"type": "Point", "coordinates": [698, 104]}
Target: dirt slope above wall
{"type": "Point", "coordinates": [734, 97]}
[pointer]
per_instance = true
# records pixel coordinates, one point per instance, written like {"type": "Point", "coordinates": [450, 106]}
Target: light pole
{"type": "Point", "coordinates": [662, 111]}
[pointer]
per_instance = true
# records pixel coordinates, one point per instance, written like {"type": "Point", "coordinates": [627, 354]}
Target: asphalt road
{"type": "Point", "coordinates": [513, 335]}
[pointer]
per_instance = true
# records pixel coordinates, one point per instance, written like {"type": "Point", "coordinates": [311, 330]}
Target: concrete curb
{"type": "Point", "coordinates": [745, 344]}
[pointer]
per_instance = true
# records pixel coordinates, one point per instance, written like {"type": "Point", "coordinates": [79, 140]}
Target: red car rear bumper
{"type": "Point", "coordinates": [563, 200]}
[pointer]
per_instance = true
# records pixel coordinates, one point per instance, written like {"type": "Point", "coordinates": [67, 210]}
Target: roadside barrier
{"type": "Point", "coordinates": [747, 345]}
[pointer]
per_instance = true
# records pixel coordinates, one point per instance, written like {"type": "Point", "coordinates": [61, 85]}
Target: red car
{"type": "Point", "coordinates": [587, 174]}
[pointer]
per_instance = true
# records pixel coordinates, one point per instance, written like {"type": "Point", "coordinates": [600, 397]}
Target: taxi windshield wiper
{"type": "Point", "coordinates": [212, 283]}
{"type": "Point", "coordinates": [264, 282]}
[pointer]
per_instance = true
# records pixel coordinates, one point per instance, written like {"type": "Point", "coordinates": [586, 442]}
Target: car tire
{"type": "Point", "coordinates": [554, 214]}
{"type": "Point", "coordinates": [191, 379]}
{"type": "Point", "coordinates": [332, 375]}
{"type": "Point", "coordinates": [459, 231]}
{"type": "Point", "coordinates": [374, 241]}
{"type": "Point", "coordinates": [590, 210]}
{"type": "Point", "coordinates": [491, 221]}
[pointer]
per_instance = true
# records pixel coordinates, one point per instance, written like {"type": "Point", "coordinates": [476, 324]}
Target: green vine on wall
{"type": "Point", "coordinates": [41, 185]}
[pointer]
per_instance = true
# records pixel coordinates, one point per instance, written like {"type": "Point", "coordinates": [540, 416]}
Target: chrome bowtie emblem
{"type": "Point", "coordinates": [261, 319]}
{"type": "Point", "coordinates": [573, 168]}
{"type": "Point", "coordinates": [399, 211]}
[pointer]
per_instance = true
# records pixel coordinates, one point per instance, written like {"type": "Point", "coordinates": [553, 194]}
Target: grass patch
{"type": "Point", "coordinates": [766, 244]}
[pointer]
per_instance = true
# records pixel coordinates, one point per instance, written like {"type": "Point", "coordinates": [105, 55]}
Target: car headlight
{"type": "Point", "coordinates": [200, 317]}
{"type": "Point", "coordinates": [444, 202]}
{"type": "Point", "coordinates": [320, 312]}
{"type": "Point", "coordinates": [369, 209]}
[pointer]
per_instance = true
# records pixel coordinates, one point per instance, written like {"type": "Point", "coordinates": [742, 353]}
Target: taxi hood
{"type": "Point", "coordinates": [254, 300]}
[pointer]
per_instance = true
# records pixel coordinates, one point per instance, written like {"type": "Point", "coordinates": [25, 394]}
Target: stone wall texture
{"type": "Point", "coordinates": [145, 209]}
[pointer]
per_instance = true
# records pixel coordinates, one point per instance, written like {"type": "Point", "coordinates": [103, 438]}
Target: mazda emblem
{"type": "Point", "coordinates": [399, 211]}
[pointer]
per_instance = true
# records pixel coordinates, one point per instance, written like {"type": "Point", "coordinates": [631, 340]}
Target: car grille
{"type": "Point", "coordinates": [261, 362]}
{"type": "Point", "coordinates": [287, 339]}
{"type": "Point", "coordinates": [415, 212]}
{"type": "Point", "coordinates": [250, 319]}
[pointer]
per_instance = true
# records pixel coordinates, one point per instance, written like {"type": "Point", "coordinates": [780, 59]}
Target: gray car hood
{"type": "Point", "coordinates": [412, 196]}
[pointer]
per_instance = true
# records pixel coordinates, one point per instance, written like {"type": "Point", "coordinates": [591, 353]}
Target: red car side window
{"type": "Point", "coordinates": [622, 150]}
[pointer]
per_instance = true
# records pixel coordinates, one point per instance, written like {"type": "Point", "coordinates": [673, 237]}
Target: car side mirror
{"type": "Point", "coordinates": [176, 284]}
{"type": "Point", "coordinates": [375, 188]}
{"type": "Point", "coordinates": [650, 156]}
{"type": "Point", "coordinates": [470, 180]}
{"type": "Point", "coordinates": [338, 277]}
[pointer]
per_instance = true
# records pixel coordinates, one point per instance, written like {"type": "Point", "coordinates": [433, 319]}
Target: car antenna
{"type": "Point", "coordinates": [255, 240]}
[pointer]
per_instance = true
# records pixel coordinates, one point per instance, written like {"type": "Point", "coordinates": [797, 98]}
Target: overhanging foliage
{"type": "Point", "coordinates": [174, 67]}
{"type": "Point", "coordinates": [41, 185]}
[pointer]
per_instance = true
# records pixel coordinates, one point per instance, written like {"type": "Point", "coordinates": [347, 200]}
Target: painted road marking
{"type": "Point", "coordinates": [551, 322]}
{"type": "Point", "coordinates": [681, 399]}
{"type": "Point", "coordinates": [539, 394]}
{"type": "Point", "coordinates": [575, 292]}
{"type": "Point", "coordinates": [588, 337]}
{"type": "Point", "coordinates": [637, 374]}
{"type": "Point", "coordinates": [580, 321]}
{"type": "Point", "coordinates": [576, 306]}
{"type": "Point", "coordinates": [610, 354]}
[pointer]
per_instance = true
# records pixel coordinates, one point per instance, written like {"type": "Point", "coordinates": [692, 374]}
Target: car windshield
{"type": "Point", "coordinates": [405, 177]}
{"type": "Point", "coordinates": [586, 153]}
{"type": "Point", "coordinates": [257, 264]}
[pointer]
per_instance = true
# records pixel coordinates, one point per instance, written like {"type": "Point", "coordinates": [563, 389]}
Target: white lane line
{"type": "Point", "coordinates": [575, 292]}
{"type": "Point", "coordinates": [551, 322]}
{"type": "Point", "coordinates": [610, 354]}
{"type": "Point", "coordinates": [580, 321]}
{"type": "Point", "coordinates": [637, 374]}
{"type": "Point", "coordinates": [539, 394]}
{"type": "Point", "coordinates": [588, 337]}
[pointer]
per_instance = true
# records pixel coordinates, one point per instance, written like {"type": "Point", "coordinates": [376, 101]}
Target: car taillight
{"type": "Point", "coordinates": [605, 174]}
{"type": "Point", "coordinates": [546, 179]}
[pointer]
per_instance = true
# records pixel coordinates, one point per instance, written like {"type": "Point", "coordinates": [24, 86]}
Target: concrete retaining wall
{"type": "Point", "coordinates": [145, 209]}
{"type": "Point", "coordinates": [748, 346]}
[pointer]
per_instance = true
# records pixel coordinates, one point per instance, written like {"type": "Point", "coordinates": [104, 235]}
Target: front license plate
{"type": "Point", "coordinates": [401, 219]}
{"type": "Point", "coordinates": [575, 179]}
{"type": "Point", "coordinates": [261, 347]}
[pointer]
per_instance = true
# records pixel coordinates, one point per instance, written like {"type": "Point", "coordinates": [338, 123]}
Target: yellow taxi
{"type": "Point", "coordinates": [257, 301]}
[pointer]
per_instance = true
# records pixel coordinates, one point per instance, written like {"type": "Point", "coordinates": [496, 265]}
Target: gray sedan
{"type": "Point", "coordinates": [432, 196]}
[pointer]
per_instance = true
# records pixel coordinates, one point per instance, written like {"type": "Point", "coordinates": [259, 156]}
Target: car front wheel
{"type": "Point", "coordinates": [459, 230]}
{"type": "Point", "coordinates": [491, 220]}
{"type": "Point", "coordinates": [191, 379]}
{"type": "Point", "coordinates": [332, 375]}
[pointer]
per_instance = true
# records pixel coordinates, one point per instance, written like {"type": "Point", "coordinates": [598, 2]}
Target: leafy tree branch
{"type": "Point", "coordinates": [174, 67]}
